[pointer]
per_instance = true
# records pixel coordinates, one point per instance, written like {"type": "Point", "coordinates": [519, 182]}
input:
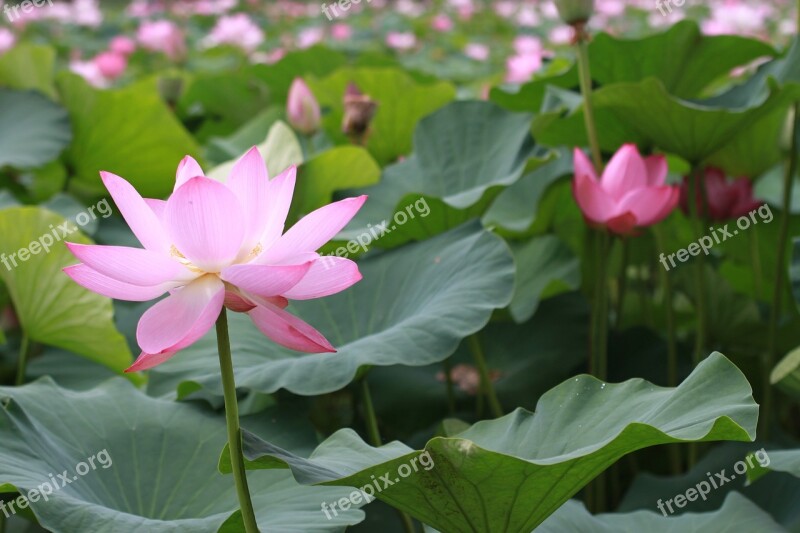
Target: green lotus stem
{"type": "Point", "coordinates": [585, 78]}
{"type": "Point", "coordinates": [375, 437]}
{"type": "Point", "coordinates": [2, 523]}
{"type": "Point", "coordinates": [622, 282]}
{"type": "Point", "coordinates": [448, 379]}
{"type": "Point", "coordinates": [756, 260]}
{"type": "Point", "coordinates": [234, 429]}
{"type": "Point", "coordinates": [22, 363]}
{"type": "Point", "coordinates": [599, 355]}
{"type": "Point", "coordinates": [666, 284]}
{"type": "Point", "coordinates": [369, 414]}
{"type": "Point", "coordinates": [695, 185]}
{"type": "Point", "coordinates": [780, 275]}
{"type": "Point", "coordinates": [486, 383]}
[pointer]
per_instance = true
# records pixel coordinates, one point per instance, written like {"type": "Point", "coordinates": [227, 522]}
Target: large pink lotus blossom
{"type": "Point", "coordinates": [214, 244]}
{"type": "Point", "coordinates": [162, 36]}
{"type": "Point", "coordinates": [237, 30]}
{"type": "Point", "coordinates": [631, 193]}
{"type": "Point", "coordinates": [726, 199]}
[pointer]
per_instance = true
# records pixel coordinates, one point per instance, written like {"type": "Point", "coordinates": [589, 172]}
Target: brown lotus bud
{"type": "Point", "coordinates": [358, 112]}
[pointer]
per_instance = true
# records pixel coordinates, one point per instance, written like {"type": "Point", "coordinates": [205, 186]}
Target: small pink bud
{"type": "Point", "coordinates": [302, 109]}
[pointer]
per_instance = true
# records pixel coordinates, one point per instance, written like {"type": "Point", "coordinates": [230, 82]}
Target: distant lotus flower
{"type": "Point", "coordinates": [111, 65]}
{"type": "Point", "coordinates": [560, 35]}
{"type": "Point", "coordinates": [726, 199]}
{"type": "Point", "coordinates": [214, 244]}
{"type": "Point", "coordinates": [477, 51]}
{"type": "Point", "coordinates": [631, 193]}
{"type": "Point", "coordinates": [89, 71]}
{"type": "Point", "coordinates": [442, 23]}
{"type": "Point", "coordinates": [341, 32]}
{"type": "Point", "coordinates": [122, 45]}
{"type": "Point", "coordinates": [520, 68]}
{"type": "Point", "coordinates": [308, 37]}
{"type": "Point", "coordinates": [401, 40]}
{"type": "Point", "coordinates": [302, 109]}
{"type": "Point", "coordinates": [162, 36]}
{"type": "Point", "coordinates": [7, 40]}
{"type": "Point", "coordinates": [237, 30]}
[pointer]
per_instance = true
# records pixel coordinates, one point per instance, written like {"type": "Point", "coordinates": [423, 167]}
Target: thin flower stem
{"type": "Point", "coordinates": [369, 414]}
{"type": "Point", "coordinates": [672, 350]}
{"type": "Point", "coordinates": [375, 437]}
{"type": "Point", "coordinates": [2, 523]}
{"type": "Point", "coordinates": [622, 283]}
{"type": "Point", "coordinates": [695, 185]}
{"type": "Point", "coordinates": [448, 379]}
{"type": "Point", "coordinates": [585, 78]}
{"type": "Point", "coordinates": [599, 367]}
{"type": "Point", "coordinates": [22, 364]}
{"type": "Point", "coordinates": [234, 429]}
{"type": "Point", "coordinates": [486, 383]}
{"type": "Point", "coordinates": [756, 259]}
{"type": "Point", "coordinates": [780, 276]}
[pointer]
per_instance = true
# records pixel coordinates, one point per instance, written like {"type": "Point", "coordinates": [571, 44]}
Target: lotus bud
{"type": "Point", "coordinates": [575, 11]}
{"type": "Point", "coordinates": [302, 109]}
{"type": "Point", "coordinates": [358, 112]}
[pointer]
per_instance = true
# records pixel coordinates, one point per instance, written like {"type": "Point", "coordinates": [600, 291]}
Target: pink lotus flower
{"type": "Point", "coordinates": [442, 23]}
{"type": "Point", "coordinates": [341, 31]}
{"type": "Point", "coordinates": [631, 193]}
{"type": "Point", "coordinates": [726, 199]}
{"type": "Point", "coordinates": [237, 30]}
{"type": "Point", "coordinates": [477, 51]}
{"type": "Point", "coordinates": [214, 244]}
{"type": "Point", "coordinates": [122, 45]}
{"type": "Point", "coordinates": [7, 40]}
{"type": "Point", "coordinates": [520, 68]}
{"type": "Point", "coordinates": [302, 109]}
{"type": "Point", "coordinates": [110, 64]}
{"type": "Point", "coordinates": [401, 40]}
{"type": "Point", "coordinates": [89, 71]}
{"type": "Point", "coordinates": [162, 36]}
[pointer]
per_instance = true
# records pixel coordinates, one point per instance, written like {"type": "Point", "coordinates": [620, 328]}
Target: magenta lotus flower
{"type": "Point", "coordinates": [302, 109]}
{"type": "Point", "coordinates": [726, 199]}
{"type": "Point", "coordinates": [214, 244]}
{"type": "Point", "coordinates": [111, 64]}
{"type": "Point", "coordinates": [630, 194]}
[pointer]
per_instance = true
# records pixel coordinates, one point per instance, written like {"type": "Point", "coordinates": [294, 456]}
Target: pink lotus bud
{"type": "Point", "coordinates": [302, 108]}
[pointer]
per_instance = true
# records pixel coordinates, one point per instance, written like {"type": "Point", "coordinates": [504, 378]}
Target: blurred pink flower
{"type": "Point", "coordinates": [213, 244]}
{"type": "Point", "coordinates": [726, 198]}
{"type": "Point", "coordinates": [401, 40]}
{"type": "Point", "coordinates": [89, 71]}
{"type": "Point", "coordinates": [122, 45]}
{"type": "Point", "coordinates": [442, 23]}
{"type": "Point", "coordinates": [237, 30]}
{"type": "Point", "coordinates": [527, 44]}
{"type": "Point", "coordinates": [560, 35]}
{"type": "Point", "coordinates": [467, 378]}
{"type": "Point", "coordinates": [631, 193]}
{"type": "Point", "coordinates": [302, 109]}
{"type": "Point", "coordinates": [520, 68]}
{"type": "Point", "coordinates": [162, 36]}
{"type": "Point", "coordinates": [110, 64]}
{"type": "Point", "coordinates": [341, 31]}
{"type": "Point", "coordinates": [477, 51]}
{"type": "Point", "coordinates": [7, 40]}
{"type": "Point", "coordinates": [308, 37]}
